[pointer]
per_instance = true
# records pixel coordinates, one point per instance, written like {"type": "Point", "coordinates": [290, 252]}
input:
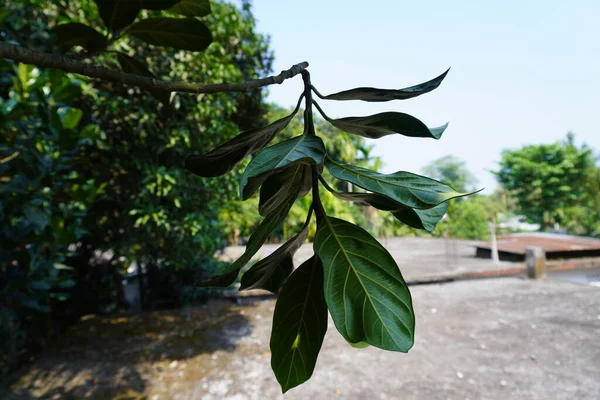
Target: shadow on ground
{"type": "Point", "coordinates": [107, 357]}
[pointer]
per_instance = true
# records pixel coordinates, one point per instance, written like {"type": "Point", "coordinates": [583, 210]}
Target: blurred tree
{"type": "Point", "coordinates": [547, 179]}
{"type": "Point", "coordinates": [91, 182]}
{"type": "Point", "coordinates": [583, 218]}
{"type": "Point", "coordinates": [452, 171]}
{"type": "Point", "coordinates": [470, 218]}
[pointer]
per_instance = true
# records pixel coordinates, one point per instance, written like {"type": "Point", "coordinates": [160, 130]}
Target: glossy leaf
{"type": "Point", "coordinates": [134, 66]}
{"type": "Point", "coordinates": [117, 14]}
{"type": "Point", "coordinates": [225, 157]}
{"type": "Point", "coordinates": [158, 4]}
{"type": "Point", "coordinates": [378, 95]}
{"type": "Point", "coordinates": [359, 345]}
{"type": "Point", "coordinates": [179, 33]}
{"type": "Point", "coordinates": [76, 34]}
{"type": "Point", "coordinates": [69, 117]}
{"type": "Point", "coordinates": [409, 189]}
{"type": "Point", "coordinates": [276, 187]}
{"type": "Point", "coordinates": [364, 289]}
{"type": "Point", "coordinates": [270, 272]}
{"type": "Point", "coordinates": [257, 239]}
{"type": "Point", "coordinates": [299, 325]}
{"type": "Point", "coordinates": [302, 149]}
{"type": "Point", "coordinates": [426, 219]}
{"type": "Point", "coordinates": [192, 8]}
{"type": "Point", "coordinates": [387, 123]}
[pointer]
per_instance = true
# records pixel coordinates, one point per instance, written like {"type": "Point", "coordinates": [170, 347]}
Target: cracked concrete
{"type": "Point", "coordinates": [505, 338]}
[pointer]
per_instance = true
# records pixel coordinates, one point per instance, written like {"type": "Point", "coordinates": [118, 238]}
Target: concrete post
{"type": "Point", "coordinates": [536, 262]}
{"type": "Point", "coordinates": [495, 256]}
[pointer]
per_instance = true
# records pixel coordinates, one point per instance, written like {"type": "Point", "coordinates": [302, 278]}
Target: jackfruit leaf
{"type": "Point", "coordinates": [299, 325]}
{"type": "Point", "coordinates": [406, 188]}
{"type": "Point", "coordinates": [378, 95]}
{"type": "Point", "coordinates": [257, 239]}
{"type": "Point", "coordinates": [179, 33]}
{"type": "Point", "coordinates": [224, 158]}
{"type": "Point", "coordinates": [276, 187]}
{"type": "Point", "coordinates": [303, 149]}
{"type": "Point", "coordinates": [364, 289]}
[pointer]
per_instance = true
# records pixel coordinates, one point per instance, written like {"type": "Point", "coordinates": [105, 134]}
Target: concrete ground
{"type": "Point", "coordinates": [504, 338]}
{"type": "Point", "coordinates": [419, 259]}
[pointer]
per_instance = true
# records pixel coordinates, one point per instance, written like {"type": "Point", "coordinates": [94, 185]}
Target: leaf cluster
{"type": "Point", "coordinates": [351, 274]}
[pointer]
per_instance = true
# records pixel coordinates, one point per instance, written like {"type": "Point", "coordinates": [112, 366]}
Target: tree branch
{"type": "Point", "coordinates": [67, 64]}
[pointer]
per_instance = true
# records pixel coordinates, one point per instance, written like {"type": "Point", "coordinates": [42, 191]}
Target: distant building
{"type": "Point", "coordinates": [516, 223]}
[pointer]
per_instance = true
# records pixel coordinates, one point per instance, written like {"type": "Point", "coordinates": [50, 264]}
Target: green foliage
{"type": "Point", "coordinates": [362, 286]}
{"type": "Point", "coordinates": [91, 176]}
{"type": "Point", "coordinates": [383, 124]}
{"type": "Point", "coordinates": [379, 95]}
{"type": "Point", "coordinates": [547, 179]}
{"type": "Point", "coordinates": [191, 8]}
{"type": "Point", "coordinates": [225, 157]}
{"type": "Point", "coordinates": [134, 66]}
{"type": "Point", "coordinates": [364, 290]}
{"type": "Point", "coordinates": [421, 219]}
{"type": "Point", "coordinates": [180, 33]}
{"type": "Point", "coordinates": [270, 272]}
{"type": "Point", "coordinates": [405, 188]}
{"type": "Point", "coordinates": [76, 34]}
{"type": "Point", "coordinates": [453, 171]}
{"type": "Point", "coordinates": [299, 325]}
{"type": "Point", "coordinates": [151, 211]}
{"type": "Point", "coordinates": [277, 186]}
{"type": "Point", "coordinates": [468, 219]}
{"type": "Point", "coordinates": [117, 14]}
{"type": "Point", "coordinates": [301, 150]}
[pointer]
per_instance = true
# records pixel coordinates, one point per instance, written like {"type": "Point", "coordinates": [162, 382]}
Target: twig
{"type": "Point", "coordinates": [67, 64]}
{"type": "Point", "coordinates": [309, 127]}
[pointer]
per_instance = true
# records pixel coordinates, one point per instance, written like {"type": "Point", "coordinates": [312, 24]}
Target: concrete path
{"type": "Point", "coordinates": [487, 339]}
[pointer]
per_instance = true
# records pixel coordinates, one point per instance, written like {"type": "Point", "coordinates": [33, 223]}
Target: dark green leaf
{"type": "Point", "coordinates": [76, 34]}
{"type": "Point", "coordinates": [69, 117]}
{"type": "Point", "coordinates": [134, 66]}
{"type": "Point", "coordinates": [364, 289]}
{"type": "Point", "coordinates": [411, 190]}
{"type": "Point", "coordinates": [301, 149]}
{"type": "Point", "coordinates": [299, 325]}
{"type": "Point", "coordinates": [117, 14]}
{"type": "Point", "coordinates": [258, 238]}
{"type": "Point", "coordinates": [66, 284]}
{"type": "Point", "coordinates": [179, 33]}
{"type": "Point", "coordinates": [421, 219]}
{"type": "Point", "coordinates": [377, 95]}
{"type": "Point", "coordinates": [276, 187]}
{"type": "Point", "coordinates": [225, 157]}
{"type": "Point", "coordinates": [387, 123]}
{"type": "Point", "coordinates": [40, 285]}
{"type": "Point", "coordinates": [158, 4]}
{"type": "Point", "coordinates": [35, 305]}
{"type": "Point", "coordinates": [270, 272]}
{"type": "Point", "coordinates": [37, 217]}
{"type": "Point", "coordinates": [426, 219]}
{"type": "Point", "coordinates": [192, 8]}
{"type": "Point", "coordinates": [224, 279]}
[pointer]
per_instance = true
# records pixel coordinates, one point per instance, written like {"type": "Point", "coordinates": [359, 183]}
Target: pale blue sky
{"type": "Point", "coordinates": [522, 71]}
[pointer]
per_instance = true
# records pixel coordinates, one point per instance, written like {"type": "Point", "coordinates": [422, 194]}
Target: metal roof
{"type": "Point", "coordinates": [550, 242]}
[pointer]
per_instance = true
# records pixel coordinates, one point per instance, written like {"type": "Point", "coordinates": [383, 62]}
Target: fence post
{"type": "Point", "coordinates": [536, 262]}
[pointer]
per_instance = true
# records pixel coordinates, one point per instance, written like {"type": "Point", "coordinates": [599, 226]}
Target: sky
{"type": "Point", "coordinates": [522, 72]}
